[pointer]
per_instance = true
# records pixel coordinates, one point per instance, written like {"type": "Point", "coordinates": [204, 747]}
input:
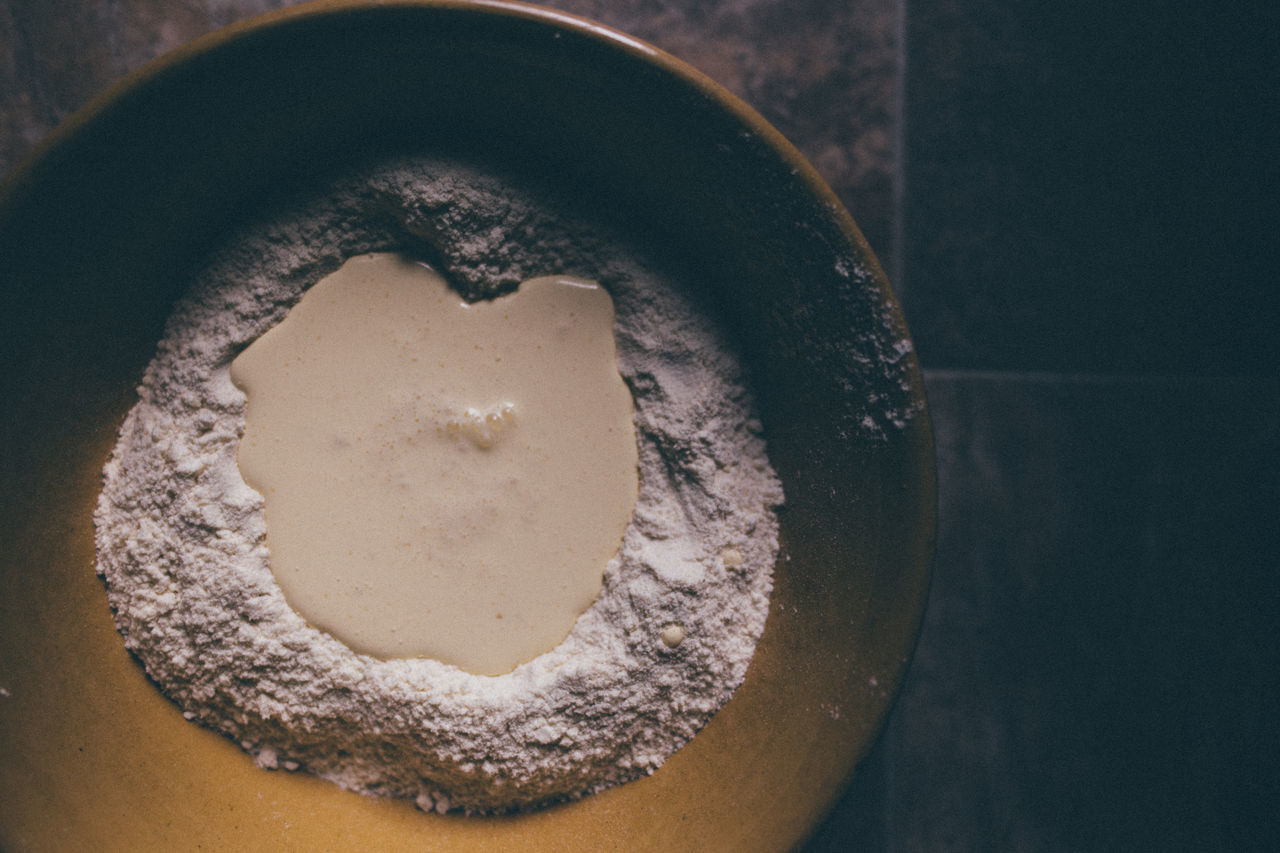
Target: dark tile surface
{"type": "Point", "coordinates": [1089, 186]}
{"type": "Point", "coordinates": [1098, 665]}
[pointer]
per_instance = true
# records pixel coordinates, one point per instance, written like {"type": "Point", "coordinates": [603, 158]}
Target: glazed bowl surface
{"type": "Point", "coordinates": [97, 232]}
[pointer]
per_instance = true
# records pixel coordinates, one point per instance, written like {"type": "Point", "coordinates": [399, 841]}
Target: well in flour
{"type": "Point", "coordinates": [181, 542]}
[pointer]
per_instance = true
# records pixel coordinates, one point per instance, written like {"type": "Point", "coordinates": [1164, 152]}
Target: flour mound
{"type": "Point", "coordinates": [181, 537]}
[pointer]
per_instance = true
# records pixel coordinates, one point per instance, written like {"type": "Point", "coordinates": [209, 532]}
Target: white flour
{"type": "Point", "coordinates": [180, 537]}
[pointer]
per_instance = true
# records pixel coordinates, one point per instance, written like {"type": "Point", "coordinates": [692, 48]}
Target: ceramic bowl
{"type": "Point", "coordinates": [96, 232]}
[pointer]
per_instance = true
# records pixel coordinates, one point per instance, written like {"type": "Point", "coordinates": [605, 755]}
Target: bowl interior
{"type": "Point", "coordinates": [96, 234]}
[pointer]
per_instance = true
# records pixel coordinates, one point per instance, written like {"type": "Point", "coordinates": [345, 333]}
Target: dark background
{"type": "Point", "coordinates": [1073, 201]}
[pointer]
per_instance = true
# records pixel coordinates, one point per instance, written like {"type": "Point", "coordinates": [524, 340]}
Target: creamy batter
{"type": "Point", "coordinates": [441, 478]}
